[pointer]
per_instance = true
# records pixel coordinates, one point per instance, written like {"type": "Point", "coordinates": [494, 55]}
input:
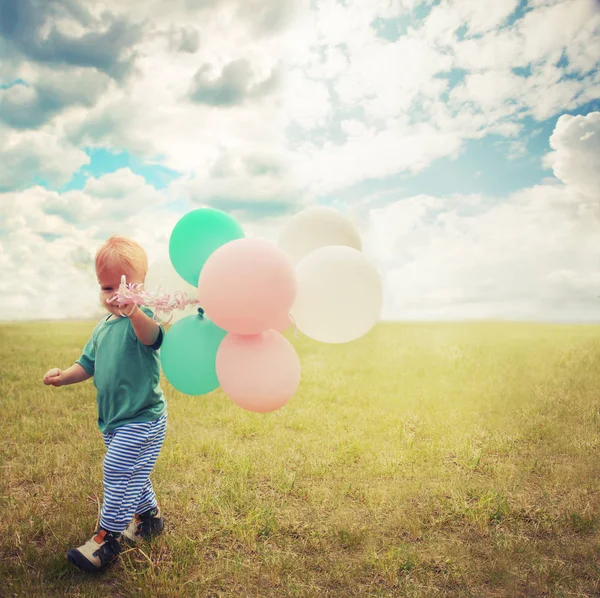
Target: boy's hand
{"type": "Point", "coordinates": [53, 377]}
{"type": "Point", "coordinates": [115, 307]}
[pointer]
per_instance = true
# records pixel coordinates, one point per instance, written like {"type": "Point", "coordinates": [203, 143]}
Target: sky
{"type": "Point", "coordinates": [461, 136]}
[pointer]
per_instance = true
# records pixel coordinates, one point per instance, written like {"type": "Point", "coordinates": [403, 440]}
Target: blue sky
{"type": "Point", "coordinates": [104, 160]}
{"type": "Point", "coordinates": [445, 128]}
{"type": "Point", "coordinates": [484, 166]}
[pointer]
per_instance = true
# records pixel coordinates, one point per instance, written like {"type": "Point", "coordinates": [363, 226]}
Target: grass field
{"type": "Point", "coordinates": [422, 460]}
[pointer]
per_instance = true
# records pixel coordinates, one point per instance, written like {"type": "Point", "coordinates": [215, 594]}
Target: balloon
{"type": "Point", "coordinates": [260, 372]}
{"type": "Point", "coordinates": [339, 295]}
{"type": "Point", "coordinates": [318, 227]}
{"type": "Point", "coordinates": [196, 235]}
{"type": "Point", "coordinates": [163, 278]}
{"type": "Point", "coordinates": [188, 354]}
{"type": "Point", "coordinates": [247, 286]}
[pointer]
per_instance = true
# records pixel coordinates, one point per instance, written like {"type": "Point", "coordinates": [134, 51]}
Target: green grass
{"type": "Point", "coordinates": [421, 460]}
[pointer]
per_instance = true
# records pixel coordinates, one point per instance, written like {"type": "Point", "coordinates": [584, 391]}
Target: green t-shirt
{"type": "Point", "coordinates": [126, 373]}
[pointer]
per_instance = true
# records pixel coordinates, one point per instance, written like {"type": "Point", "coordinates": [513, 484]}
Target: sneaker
{"type": "Point", "coordinates": [145, 526]}
{"type": "Point", "coordinates": [101, 550]}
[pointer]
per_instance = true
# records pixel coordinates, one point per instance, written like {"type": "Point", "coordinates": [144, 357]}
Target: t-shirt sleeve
{"type": "Point", "coordinates": [159, 339]}
{"type": "Point", "coordinates": [87, 360]}
{"type": "Point", "coordinates": [161, 333]}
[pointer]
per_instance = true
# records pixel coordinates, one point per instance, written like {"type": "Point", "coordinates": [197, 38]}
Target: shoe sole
{"type": "Point", "coordinates": [76, 558]}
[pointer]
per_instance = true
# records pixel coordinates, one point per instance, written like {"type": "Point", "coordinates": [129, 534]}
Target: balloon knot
{"type": "Point", "coordinates": [200, 312]}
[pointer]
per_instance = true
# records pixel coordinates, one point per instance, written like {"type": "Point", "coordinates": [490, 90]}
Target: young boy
{"type": "Point", "coordinates": [132, 415]}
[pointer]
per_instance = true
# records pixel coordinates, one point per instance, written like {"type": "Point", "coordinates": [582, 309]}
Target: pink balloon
{"type": "Point", "coordinates": [247, 286]}
{"type": "Point", "coordinates": [260, 372]}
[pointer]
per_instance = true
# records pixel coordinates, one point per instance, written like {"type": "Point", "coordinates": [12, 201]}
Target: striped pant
{"type": "Point", "coordinates": [131, 454]}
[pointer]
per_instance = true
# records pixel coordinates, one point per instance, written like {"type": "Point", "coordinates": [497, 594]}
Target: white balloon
{"type": "Point", "coordinates": [318, 227]}
{"type": "Point", "coordinates": [340, 295]}
{"type": "Point", "coordinates": [163, 278]}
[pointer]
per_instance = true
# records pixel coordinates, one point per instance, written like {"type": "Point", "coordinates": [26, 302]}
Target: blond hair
{"type": "Point", "coordinates": [123, 254]}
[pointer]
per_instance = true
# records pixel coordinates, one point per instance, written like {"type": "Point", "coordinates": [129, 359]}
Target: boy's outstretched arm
{"type": "Point", "coordinates": [72, 375]}
{"type": "Point", "coordinates": [145, 328]}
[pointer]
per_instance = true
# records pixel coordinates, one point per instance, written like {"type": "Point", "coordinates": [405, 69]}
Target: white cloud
{"type": "Point", "coordinates": [26, 212]}
{"type": "Point", "coordinates": [47, 92]}
{"type": "Point", "coordinates": [245, 181]}
{"type": "Point", "coordinates": [540, 36]}
{"type": "Point", "coordinates": [28, 154]}
{"type": "Point", "coordinates": [479, 17]}
{"type": "Point", "coordinates": [547, 93]}
{"type": "Point", "coordinates": [489, 90]}
{"type": "Point", "coordinates": [41, 273]}
{"type": "Point", "coordinates": [307, 102]}
{"type": "Point", "coordinates": [498, 50]}
{"type": "Point", "coordinates": [576, 156]}
{"type": "Point", "coordinates": [569, 25]}
{"type": "Point", "coordinates": [335, 68]}
{"type": "Point", "coordinates": [445, 258]}
{"type": "Point", "coordinates": [154, 116]}
{"type": "Point", "coordinates": [122, 194]}
{"type": "Point", "coordinates": [534, 255]}
{"type": "Point", "coordinates": [372, 154]}
{"type": "Point", "coordinates": [404, 70]}
{"type": "Point", "coordinates": [537, 41]}
{"type": "Point", "coordinates": [114, 197]}
{"type": "Point", "coordinates": [339, 24]}
{"type": "Point", "coordinates": [390, 87]}
{"type": "Point", "coordinates": [501, 94]}
{"type": "Point", "coordinates": [49, 240]}
{"type": "Point", "coordinates": [538, 3]}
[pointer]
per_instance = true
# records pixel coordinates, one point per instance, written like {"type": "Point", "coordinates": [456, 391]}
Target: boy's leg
{"type": "Point", "coordinates": [147, 499]}
{"type": "Point", "coordinates": [131, 454]}
{"type": "Point", "coordinates": [129, 460]}
{"type": "Point", "coordinates": [147, 521]}
{"type": "Point", "coordinates": [103, 548]}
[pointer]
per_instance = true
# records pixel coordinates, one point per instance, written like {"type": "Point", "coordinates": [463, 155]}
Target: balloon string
{"type": "Point", "coordinates": [133, 294]}
{"type": "Point", "coordinates": [296, 335]}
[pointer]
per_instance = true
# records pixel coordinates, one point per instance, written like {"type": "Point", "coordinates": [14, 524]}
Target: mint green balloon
{"type": "Point", "coordinates": [196, 236]}
{"type": "Point", "coordinates": [188, 355]}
